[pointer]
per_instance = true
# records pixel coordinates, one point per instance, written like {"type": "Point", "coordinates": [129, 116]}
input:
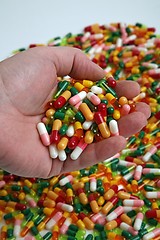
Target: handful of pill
{"type": "Point", "coordinates": [82, 112]}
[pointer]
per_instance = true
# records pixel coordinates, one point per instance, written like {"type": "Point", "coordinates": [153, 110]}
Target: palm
{"type": "Point", "coordinates": [27, 86]}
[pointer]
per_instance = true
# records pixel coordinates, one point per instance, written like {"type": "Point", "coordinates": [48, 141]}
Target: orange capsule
{"type": "Point", "coordinates": [112, 224]}
{"type": "Point", "coordinates": [78, 185]}
{"type": "Point", "coordinates": [93, 203]}
{"type": "Point", "coordinates": [109, 205]}
{"type": "Point", "coordinates": [62, 143]}
{"type": "Point", "coordinates": [88, 223]}
{"type": "Point", "coordinates": [124, 217]}
{"type": "Point", "coordinates": [86, 112]}
{"type": "Point", "coordinates": [111, 192]}
{"type": "Point", "coordinates": [89, 137]}
{"type": "Point", "coordinates": [82, 196]}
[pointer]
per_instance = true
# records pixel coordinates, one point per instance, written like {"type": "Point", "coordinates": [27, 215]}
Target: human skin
{"type": "Point", "coordinates": [27, 82]}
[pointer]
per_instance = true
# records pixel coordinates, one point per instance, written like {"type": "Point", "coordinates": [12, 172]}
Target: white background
{"type": "Point", "coordinates": [36, 21]}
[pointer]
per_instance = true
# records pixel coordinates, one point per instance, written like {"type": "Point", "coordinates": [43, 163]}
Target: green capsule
{"type": "Point", "coordinates": [140, 25]}
{"type": "Point", "coordinates": [94, 128]}
{"type": "Point", "coordinates": [73, 227]}
{"type": "Point", "coordinates": [79, 117]}
{"type": "Point", "coordinates": [80, 234]}
{"type": "Point", "coordinates": [132, 213]}
{"type": "Point", "coordinates": [29, 216]}
{"type": "Point", "coordinates": [26, 189]}
{"type": "Point", "coordinates": [47, 236]}
{"type": "Point", "coordinates": [92, 170]}
{"type": "Point", "coordinates": [142, 68]}
{"type": "Point", "coordinates": [118, 71]}
{"type": "Point", "coordinates": [68, 185]}
{"type": "Point", "coordinates": [87, 187]}
{"type": "Point", "coordinates": [15, 188]}
{"type": "Point", "coordinates": [154, 132]}
{"type": "Point", "coordinates": [71, 233]}
{"type": "Point", "coordinates": [135, 238]}
{"type": "Point", "coordinates": [121, 64]}
{"type": "Point", "coordinates": [92, 107]}
{"type": "Point", "coordinates": [126, 234]}
{"type": "Point", "coordinates": [103, 84]}
{"type": "Point", "coordinates": [63, 129]}
{"type": "Point", "coordinates": [100, 190]}
{"type": "Point", "coordinates": [110, 110]}
{"type": "Point", "coordinates": [148, 57]}
{"type": "Point", "coordinates": [152, 221]}
{"type": "Point", "coordinates": [155, 158]}
{"type": "Point", "coordinates": [9, 232]}
{"type": "Point", "coordinates": [99, 227]}
{"type": "Point", "coordinates": [89, 237]}
{"type": "Point", "coordinates": [104, 101]}
{"type": "Point", "coordinates": [147, 202]}
{"type": "Point", "coordinates": [43, 185]}
{"type": "Point", "coordinates": [131, 140]}
{"type": "Point", "coordinates": [62, 86]}
{"type": "Point", "coordinates": [8, 216]}
{"type": "Point", "coordinates": [34, 231]}
{"type": "Point", "coordinates": [136, 153]}
{"type": "Point", "coordinates": [26, 211]}
{"type": "Point", "coordinates": [99, 183]}
{"type": "Point", "coordinates": [141, 134]}
{"type": "Point", "coordinates": [39, 220]}
{"type": "Point", "coordinates": [143, 232]}
{"type": "Point", "coordinates": [59, 115]}
{"type": "Point", "coordinates": [150, 176]}
{"type": "Point", "coordinates": [78, 207]}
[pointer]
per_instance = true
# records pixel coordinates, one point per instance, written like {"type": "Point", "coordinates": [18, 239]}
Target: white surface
{"type": "Point", "coordinates": [36, 21]}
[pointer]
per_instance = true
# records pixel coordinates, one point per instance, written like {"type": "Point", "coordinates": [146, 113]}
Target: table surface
{"type": "Point", "coordinates": [23, 22]}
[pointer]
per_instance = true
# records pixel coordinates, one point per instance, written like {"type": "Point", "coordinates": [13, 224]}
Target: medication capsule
{"type": "Point", "coordinates": [65, 226]}
{"type": "Point", "coordinates": [113, 127]}
{"type": "Point", "coordinates": [77, 98]}
{"type": "Point", "coordinates": [17, 227]}
{"type": "Point", "coordinates": [89, 137]}
{"type": "Point", "coordinates": [153, 149]}
{"type": "Point", "coordinates": [133, 203]}
{"type": "Point", "coordinates": [93, 98]}
{"type": "Point", "coordinates": [88, 223]}
{"type": "Point", "coordinates": [55, 136]}
{"type": "Point", "coordinates": [73, 142]}
{"type": "Point", "coordinates": [138, 172]}
{"type": "Point", "coordinates": [43, 134]}
{"type": "Point", "coordinates": [103, 128]}
{"type": "Point", "coordinates": [152, 234]}
{"type": "Point", "coordinates": [62, 99]}
{"type": "Point", "coordinates": [62, 155]}
{"type": "Point", "coordinates": [53, 151]}
{"type": "Point", "coordinates": [138, 221]}
{"type": "Point", "coordinates": [87, 124]}
{"type": "Point", "coordinates": [65, 180]}
{"type": "Point", "coordinates": [156, 171]}
{"type": "Point", "coordinates": [125, 195]}
{"type": "Point", "coordinates": [53, 220]}
{"type": "Point", "coordinates": [111, 192]}
{"type": "Point", "coordinates": [97, 90]}
{"type": "Point", "coordinates": [152, 195]}
{"type": "Point", "coordinates": [62, 144]}
{"type": "Point", "coordinates": [93, 184]}
{"type": "Point", "coordinates": [125, 218]}
{"type": "Point", "coordinates": [86, 112]}
{"type": "Point", "coordinates": [78, 150]}
{"type": "Point", "coordinates": [103, 110]}
{"type": "Point", "coordinates": [65, 207]}
{"type": "Point", "coordinates": [82, 196]}
{"type": "Point", "coordinates": [154, 213]}
{"type": "Point", "coordinates": [93, 203]}
{"type": "Point", "coordinates": [70, 131]}
{"type": "Point", "coordinates": [125, 109]}
{"type": "Point", "coordinates": [126, 227]}
{"type": "Point", "coordinates": [113, 224]}
{"type": "Point", "coordinates": [115, 214]}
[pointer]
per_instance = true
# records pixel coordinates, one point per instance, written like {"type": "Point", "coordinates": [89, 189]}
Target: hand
{"type": "Point", "coordinates": [27, 82]}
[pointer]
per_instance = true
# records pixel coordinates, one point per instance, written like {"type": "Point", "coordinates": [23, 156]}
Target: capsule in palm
{"type": "Point", "coordinates": [62, 99]}
{"type": "Point", "coordinates": [55, 136]}
{"type": "Point", "coordinates": [85, 110]}
{"type": "Point", "coordinates": [102, 125]}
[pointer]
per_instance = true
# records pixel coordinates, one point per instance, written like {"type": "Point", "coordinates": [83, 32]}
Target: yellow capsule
{"type": "Point", "coordinates": [27, 183]}
{"type": "Point", "coordinates": [50, 112]}
{"type": "Point", "coordinates": [57, 124]}
{"type": "Point", "coordinates": [127, 54]}
{"type": "Point", "coordinates": [49, 203]}
{"type": "Point", "coordinates": [30, 224]}
{"type": "Point", "coordinates": [111, 225]}
{"type": "Point", "coordinates": [123, 100]}
{"type": "Point", "coordinates": [69, 192]}
{"type": "Point", "coordinates": [3, 193]}
{"type": "Point", "coordinates": [123, 195]}
{"type": "Point", "coordinates": [126, 219]}
{"type": "Point", "coordinates": [101, 201]}
{"type": "Point", "coordinates": [135, 70]}
{"type": "Point", "coordinates": [89, 137]}
{"type": "Point", "coordinates": [143, 89]}
{"type": "Point", "coordinates": [41, 226]}
{"type": "Point", "coordinates": [48, 211]}
{"type": "Point", "coordinates": [111, 236]}
{"type": "Point", "coordinates": [116, 114]}
{"type": "Point", "coordinates": [62, 143]}
{"type": "Point", "coordinates": [101, 96]}
{"type": "Point", "coordinates": [77, 125]}
{"type": "Point", "coordinates": [78, 185]}
{"type": "Point", "coordinates": [84, 179]}
{"type": "Point", "coordinates": [75, 173]}
{"type": "Point", "coordinates": [155, 205]}
{"type": "Point", "coordinates": [80, 224]}
{"type": "Point", "coordinates": [87, 83]}
{"type": "Point", "coordinates": [109, 97]}
{"type": "Point", "coordinates": [86, 111]}
{"type": "Point", "coordinates": [9, 209]}
{"type": "Point", "coordinates": [79, 86]}
{"type": "Point", "coordinates": [3, 203]}
{"type": "Point", "coordinates": [53, 181]}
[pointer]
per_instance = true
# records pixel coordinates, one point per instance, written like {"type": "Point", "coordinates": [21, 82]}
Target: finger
{"type": "Point", "coordinates": [95, 153]}
{"type": "Point", "coordinates": [73, 62]}
{"type": "Point", "coordinates": [127, 88]}
{"type": "Point", "coordinates": [131, 123]}
{"type": "Point", "coordinates": [144, 108]}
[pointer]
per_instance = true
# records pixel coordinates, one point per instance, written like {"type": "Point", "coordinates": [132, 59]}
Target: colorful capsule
{"type": "Point", "coordinates": [53, 220]}
{"type": "Point", "coordinates": [126, 227]}
{"type": "Point", "coordinates": [77, 98]}
{"type": "Point", "coordinates": [55, 136]}
{"type": "Point", "coordinates": [43, 134]}
{"type": "Point", "coordinates": [62, 99]}
{"type": "Point", "coordinates": [113, 127]}
{"type": "Point", "coordinates": [138, 221]}
{"type": "Point", "coordinates": [93, 98]}
{"type": "Point", "coordinates": [115, 213]}
{"type": "Point", "coordinates": [152, 234]}
{"type": "Point", "coordinates": [154, 213]}
{"type": "Point", "coordinates": [93, 203]}
{"type": "Point", "coordinates": [152, 195]}
{"type": "Point", "coordinates": [85, 110]}
{"type": "Point", "coordinates": [78, 150]}
{"type": "Point", "coordinates": [111, 192]}
{"type": "Point", "coordinates": [133, 203]}
{"type": "Point", "coordinates": [65, 180]}
{"type": "Point", "coordinates": [103, 128]}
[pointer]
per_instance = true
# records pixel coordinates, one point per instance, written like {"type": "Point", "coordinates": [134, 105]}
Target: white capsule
{"type": "Point", "coordinates": [93, 98]}
{"type": "Point", "coordinates": [152, 234]}
{"type": "Point", "coordinates": [138, 221]}
{"type": "Point", "coordinates": [77, 98]}
{"type": "Point", "coordinates": [53, 151]}
{"type": "Point", "coordinates": [96, 90]}
{"type": "Point", "coordinates": [115, 213]}
{"type": "Point", "coordinates": [87, 124]}
{"type": "Point", "coordinates": [43, 134]}
{"type": "Point", "coordinates": [113, 127]}
{"type": "Point", "coordinates": [78, 150]}
{"type": "Point", "coordinates": [93, 184]}
{"type": "Point", "coordinates": [151, 195]}
{"type": "Point", "coordinates": [70, 131]}
{"type": "Point", "coordinates": [53, 220]}
{"type": "Point", "coordinates": [107, 69]}
{"type": "Point", "coordinates": [64, 207]}
{"type": "Point", "coordinates": [65, 180]}
{"type": "Point", "coordinates": [119, 42]}
{"type": "Point", "coordinates": [62, 155]}
{"type": "Point", "coordinates": [17, 228]}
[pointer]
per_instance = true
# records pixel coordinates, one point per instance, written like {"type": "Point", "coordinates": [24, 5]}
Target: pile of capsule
{"type": "Point", "coordinates": [82, 113]}
{"type": "Point", "coordinates": [118, 199]}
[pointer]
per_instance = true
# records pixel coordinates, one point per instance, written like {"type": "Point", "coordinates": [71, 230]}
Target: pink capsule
{"type": "Point", "coordinates": [77, 98]}
{"type": "Point", "coordinates": [133, 203]}
{"type": "Point", "coordinates": [127, 227]}
{"type": "Point", "coordinates": [93, 98]}
{"type": "Point", "coordinates": [138, 172]}
{"type": "Point", "coordinates": [31, 201]}
{"type": "Point", "coordinates": [17, 227]}
{"type": "Point", "coordinates": [43, 134]}
{"type": "Point", "coordinates": [125, 163]}
{"type": "Point", "coordinates": [154, 71]}
{"type": "Point", "coordinates": [96, 216]}
{"type": "Point", "coordinates": [152, 234]}
{"type": "Point", "coordinates": [2, 183]}
{"type": "Point", "coordinates": [66, 180]}
{"type": "Point", "coordinates": [138, 221]}
{"type": "Point", "coordinates": [65, 207]}
{"type": "Point", "coordinates": [151, 195]}
{"type": "Point", "coordinates": [155, 171]}
{"type": "Point", "coordinates": [65, 226]}
{"type": "Point", "coordinates": [153, 149]}
{"type": "Point", "coordinates": [114, 214]}
{"type": "Point", "coordinates": [125, 109]}
{"type": "Point", "coordinates": [53, 220]}
{"type": "Point", "coordinates": [78, 150]}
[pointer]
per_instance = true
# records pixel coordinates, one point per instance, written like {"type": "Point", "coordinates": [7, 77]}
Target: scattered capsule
{"type": "Point", "coordinates": [77, 98]}
{"type": "Point", "coordinates": [78, 150]}
{"type": "Point", "coordinates": [43, 134]}
{"type": "Point", "coordinates": [138, 221]}
{"type": "Point", "coordinates": [115, 213]}
{"type": "Point", "coordinates": [99, 119]}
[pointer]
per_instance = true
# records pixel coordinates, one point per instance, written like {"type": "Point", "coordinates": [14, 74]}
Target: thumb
{"type": "Point", "coordinates": [73, 62]}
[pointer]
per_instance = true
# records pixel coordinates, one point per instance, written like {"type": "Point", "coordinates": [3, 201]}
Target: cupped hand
{"type": "Point", "coordinates": [27, 82]}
